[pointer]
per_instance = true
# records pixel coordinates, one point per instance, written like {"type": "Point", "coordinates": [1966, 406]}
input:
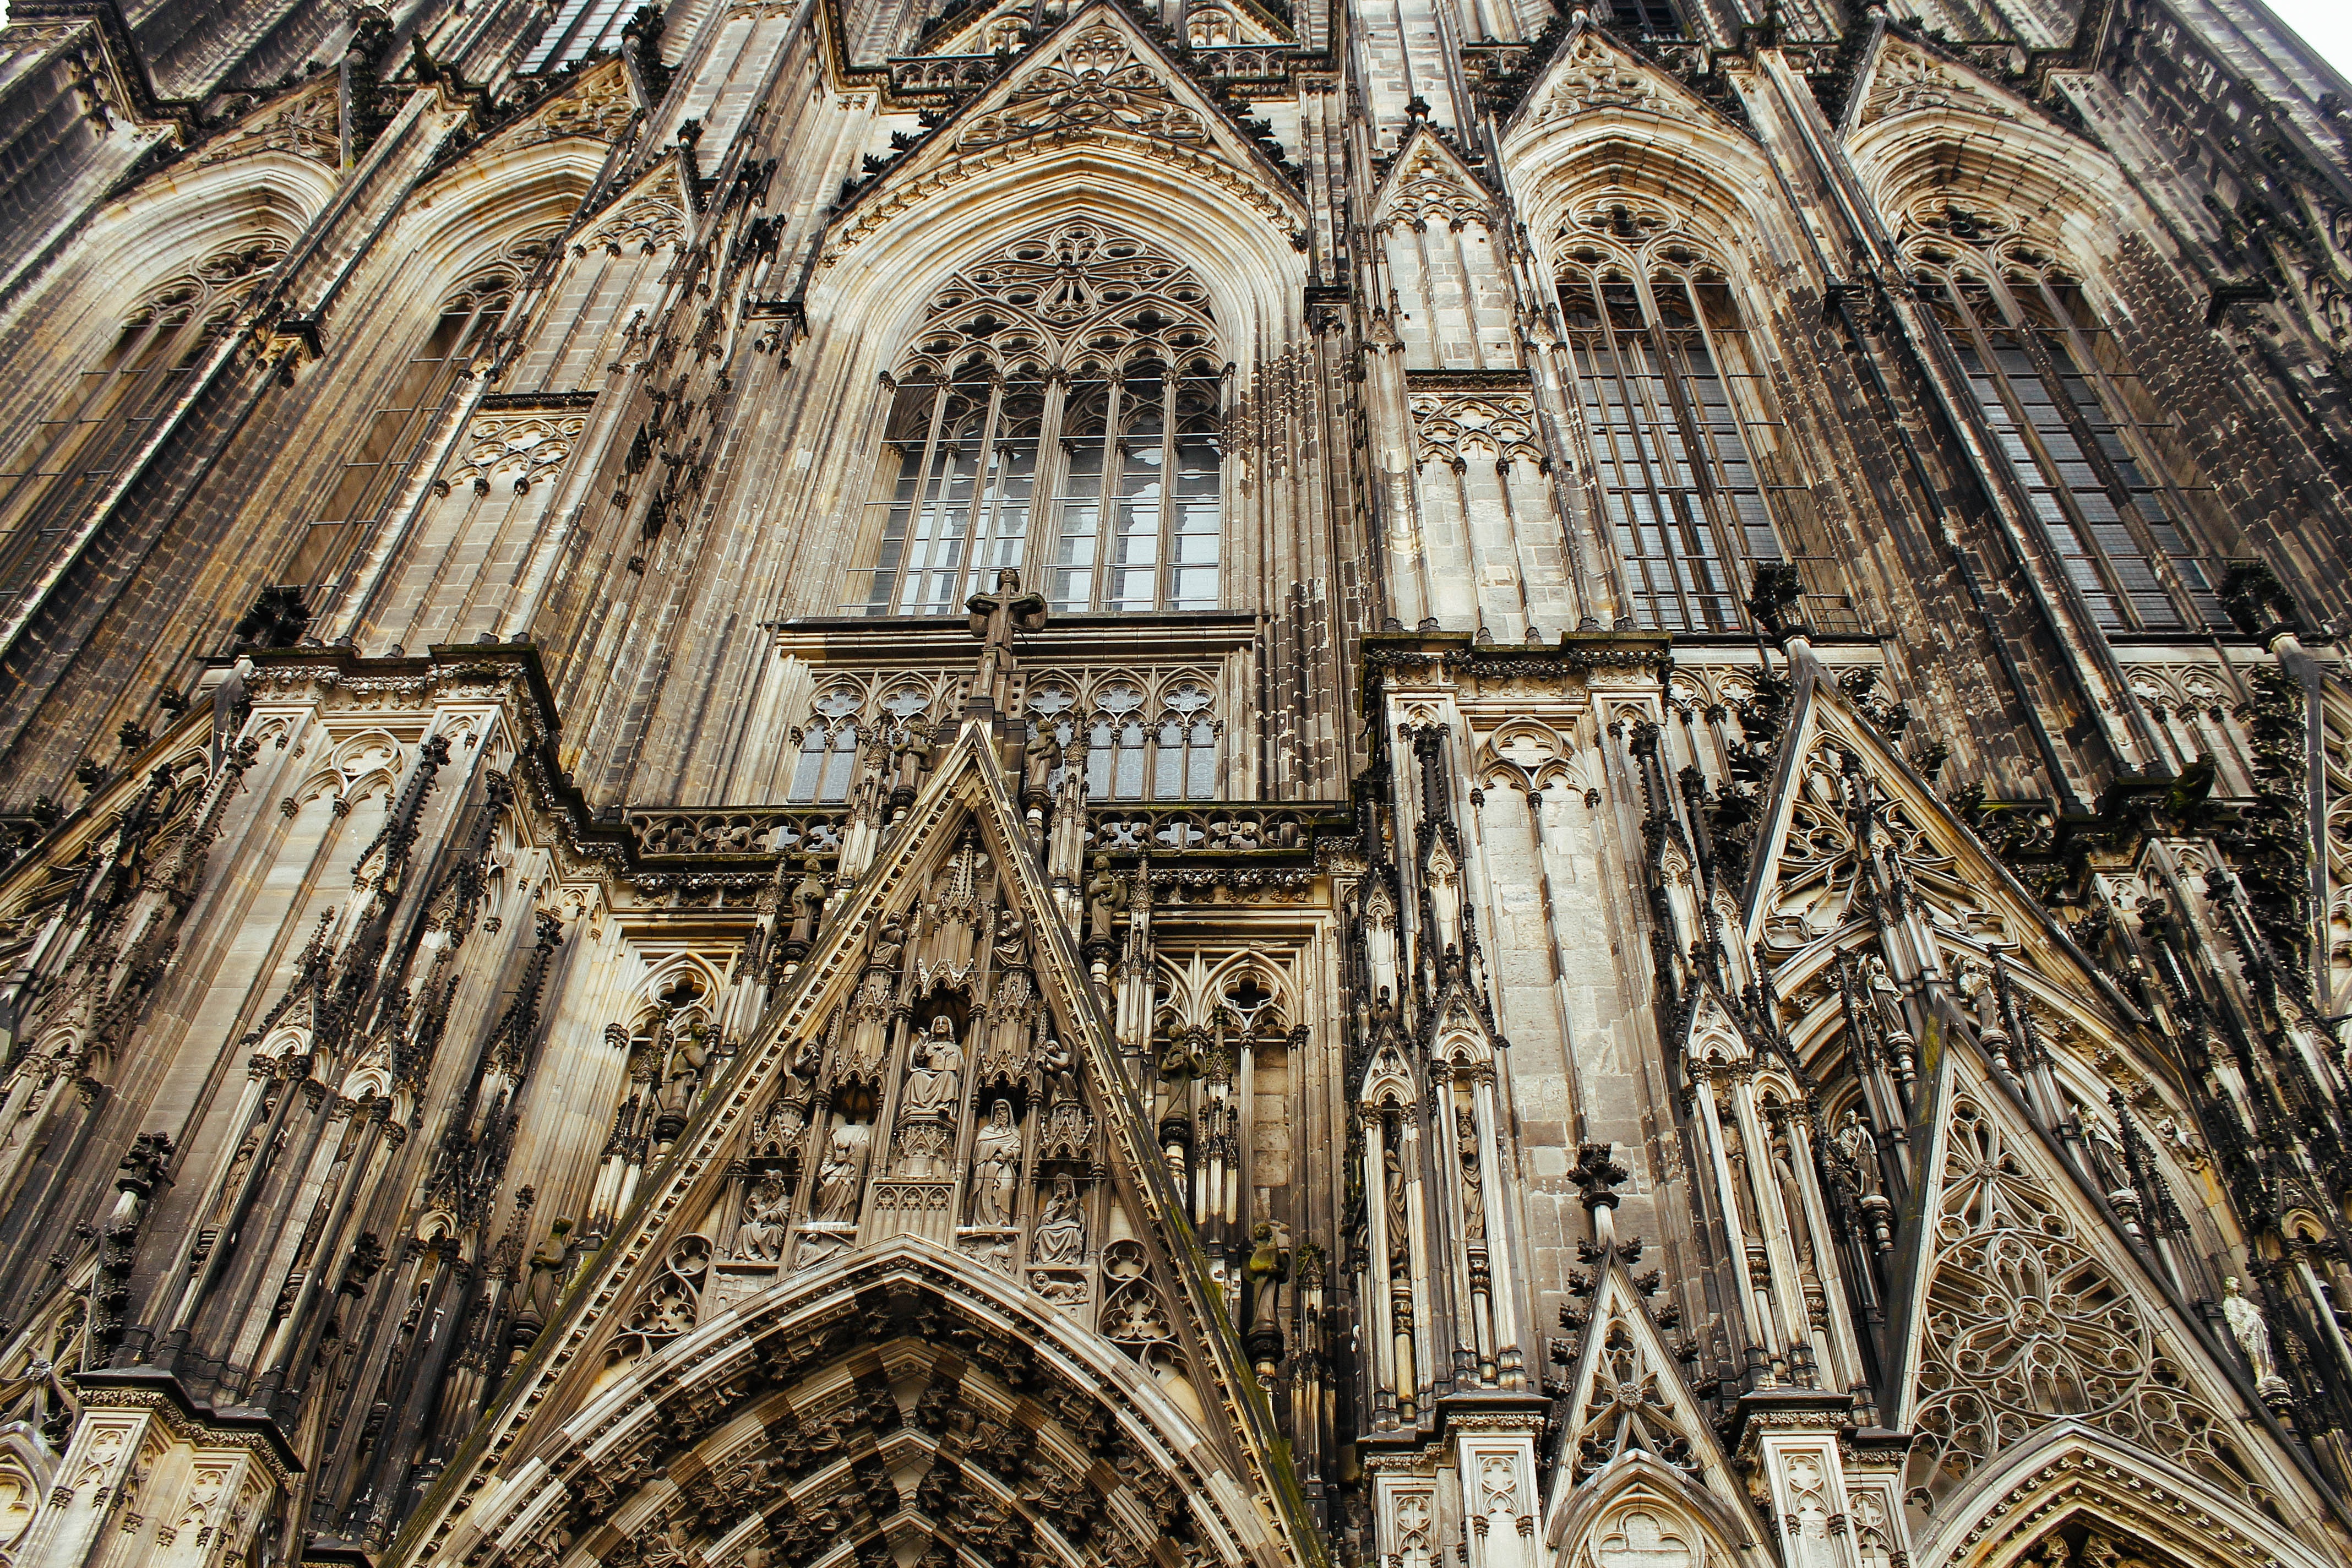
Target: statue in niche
{"type": "Point", "coordinates": [995, 1165]}
{"type": "Point", "coordinates": [1062, 1230]}
{"type": "Point", "coordinates": [889, 944]}
{"type": "Point", "coordinates": [1792, 1203]}
{"type": "Point", "coordinates": [1474, 1196]}
{"type": "Point", "coordinates": [690, 1054]}
{"type": "Point", "coordinates": [1268, 1266]}
{"type": "Point", "coordinates": [1886, 999]}
{"type": "Point", "coordinates": [932, 1082]}
{"type": "Point", "coordinates": [1982, 993]}
{"type": "Point", "coordinates": [760, 1237]}
{"type": "Point", "coordinates": [837, 1179]}
{"type": "Point", "coordinates": [1012, 947]}
{"type": "Point", "coordinates": [1399, 1213]}
{"type": "Point", "coordinates": [1735, 1154]}
{"type": "Point", "coordinates": [1038, 757]}
{"type": "Point", "coordinates": [1859, 1144]}
{"type": "Point", "coordinates": [1107, 896]}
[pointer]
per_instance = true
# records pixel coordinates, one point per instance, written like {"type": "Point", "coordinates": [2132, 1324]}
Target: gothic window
{"type": "Point", "coordinates": [396, 431]}
{"type": "Point", "coordinates": [2050, 385]}
{"type": "Point", "coordinates": [828, 764]}
{"type": "Point", "coordinates": [1061, 412]}
{"type": "Point", "coordinates": [1131, 747]}
{"type": "Point", "coordinates": [1689, 447]}
{"type": "Point", "coordinates": [83, 444]}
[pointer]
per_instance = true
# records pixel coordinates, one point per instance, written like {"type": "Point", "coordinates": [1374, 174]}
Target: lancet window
{"type": "Point", "coordinates": [395, 432]}
{"type": "Point", "coordinates": [1688, 449]}
{"type": "Point", "coordinates": [85, 441]}
{"type": "Point", "coordinates": [2051, 387]}
{"type": "Point", "coordinates": [1060, 412]}
{"type": "Point", "coordinates": [1132, 747]}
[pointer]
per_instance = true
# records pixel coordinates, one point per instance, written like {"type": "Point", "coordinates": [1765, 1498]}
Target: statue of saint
{"type": "Point", "coordinates": [2253, 1334]}
{"type": "Point", "coordinates": [760, 1237]}
{"type": "Point", "coordinates": [995, 1163]}
{"type": "Point", "coordinates": [931, 1085]}
{"type": "Point", "coordinates": [1885, 998]}
{"type": "Point", "coordinates": [1106, 898]}
{"type": "Point", "coordinates": [1859, 1144]}
{"type": "Point", "coordinates": [1062, 1232]}
{"type": "Point", "coordinates": [808, 901]}
{"type": "Point", "coordinates": [837, 1179]}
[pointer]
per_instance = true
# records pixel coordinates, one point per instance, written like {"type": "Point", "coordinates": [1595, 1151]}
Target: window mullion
{"type": "Point", "coordinates": [987, 477]}
{"type": "Point", "coordinates": [1114, 466]}
{"type": "Point", "coordinates": [1164, 576]}
{"type": "Point", "coordinates": [920, 520]}
{"type": "Point", "coordinates": [1053, 474]}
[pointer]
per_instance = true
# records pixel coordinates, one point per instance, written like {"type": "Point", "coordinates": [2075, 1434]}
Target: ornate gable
{"type": "Point", "coordinates": [1430, 183]}
{"type": "Point", "coordinates": [1901, 78]}
{"type": "Point", "coordinates": [1846, 813]}
{"type": "Point", "coordinates": [649, 217]}
{"type": "Point", "coordinates": [934, 1099]}
{"type": "Point", "coordinates": [1593, 73]}
{"type": "Point", "coordinates": [305, 123]}
{"type": "Point", "coordinates": [1626, 1399]}
{"type": "Point", "coordinates": [1097, 80]}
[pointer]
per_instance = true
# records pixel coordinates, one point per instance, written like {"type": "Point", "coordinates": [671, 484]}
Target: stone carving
{"type": "Point", "coordinates": [1455, 429]}
{"type": "Point", "coordinates": [1061, 1235]}
{"type": "Point", "coordinates": [1590, 75]}
{"type": "Point", "coordinates": [995, 1166]}
{"type": "Point", "coordinates": [932, 1082]}
{"type": "Point", "coordinates": [2025, 1326]}
{"type": "Point", "coordinates": [1429, 187]}
{"type": "Point", "coordinates": [837, 1179]}
{"type": "Point", "coordinates": [759, 1238]}
{"type": "Point", "coordinates": [1096, 84]}
{"type": "Point", "coordinates": [305, 124]}
{"type": "Point", "coordinates": [2253, 1334]}
{"type": "Point", "coordinates": [521, 448]}
{"type": "Point", "coordinates": [644, 224]}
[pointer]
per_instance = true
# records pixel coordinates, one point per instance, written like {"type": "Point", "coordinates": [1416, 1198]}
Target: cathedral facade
{"type": "Point", "coordinates": [1067, 783]}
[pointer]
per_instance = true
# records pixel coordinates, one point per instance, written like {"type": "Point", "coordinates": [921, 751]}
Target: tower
{"type": "Point", "coordinates": [1033, 784]}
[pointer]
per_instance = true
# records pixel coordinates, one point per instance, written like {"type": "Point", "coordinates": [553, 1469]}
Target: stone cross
{"type": "Point", "coordinates": [995, 618]}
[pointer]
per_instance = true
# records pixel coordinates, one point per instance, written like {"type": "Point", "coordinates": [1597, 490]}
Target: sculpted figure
{"type": "Point", "coordinates": [1886, 997]}
{"type": "Point", "coordinates": [837, 1179]}
{"type": "Point", "coordinates": [1861, 1146]}
{"type": "Point", "coordinates": [808, 901]}
{"type": "Point", "coordinates": [1062, 1231]}
{"type": "Point", "coordinates": [2253, 1334]}
{"type": "Point", "coordinates": [760, 1237]}
{"type": "Point", "coordinates": [1106, 897]}
{"type": "Point", "coordinates": [931, 1085]}
{"type": "Point", "coordinates": [995, 1159]}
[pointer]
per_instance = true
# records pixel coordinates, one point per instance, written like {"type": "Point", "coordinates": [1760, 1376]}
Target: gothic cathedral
{"type": "Point", "coordinates": [1174, 784]}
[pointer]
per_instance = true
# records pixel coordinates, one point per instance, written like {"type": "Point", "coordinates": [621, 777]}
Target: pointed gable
{"type": "Point", "coordinates": [1807, 867]}
{"type": "Point", "coordinates": [1593, 73]}
{"type": "Point", "coordinates": [305, 123]}
{"type": "Point", "coordinates": [643, 218]}
{"type": "Point", "coordinates": [1900, 76]}
{"type": "Point", "coordinates": [1097, 81]}
{"type": "Point", "coordinates": [1429, 182]}
{"type": "Point", "coordinates": [1094, 1237]}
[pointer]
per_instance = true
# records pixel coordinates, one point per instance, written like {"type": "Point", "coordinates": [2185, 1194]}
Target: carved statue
{"type": "Point", "coordinates": [996, 1164]}
{"type": "Point", "coordinates": [1012, 944]}
{"type": "Point", "coordinates": [1473, 1200]}
{"type": "Point", "coordinates": [1042, 751]}
{"type": "Point", "coordinates": [1105, 899]}
{"type": "Point", "coordinates": [1885, 998]}
{"type": "Point", "coordinates": [1268, 1266]}
{"type": "Point", "coordinates": [887, 945]}
{"type": "Point", "coordinates": [760, 1237]}
{"type": "Point", "coordinates": [1977, 987]}
{"type": "Point", "coordinates": [808, 901]}
{"type": "Point", "coordinates": [1062, 1232]}
{"type": "Point", "coordinates": [1860, 1145]}
{"type": "Point", "coordinates": [837, 1179]}
{"type": "Point", "coordinates": [1399, 1214]}
{"type": "Point", "coordinates": [1060, 1074]}
{"type": "Point", "coordinates": [931, 1085]}
{"type": "Point", "coordinates": [2253, 1334]}
{"type": "Point", "coordinates": [1792, 1203]}
{"type": "Point", "coordinates": [995, 618]}
{"type": "Point", "coordinates": [690, 1054]}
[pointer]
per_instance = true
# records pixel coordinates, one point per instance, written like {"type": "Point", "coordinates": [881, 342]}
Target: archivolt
{"type": "Point", "coordinates": [910, 1398]}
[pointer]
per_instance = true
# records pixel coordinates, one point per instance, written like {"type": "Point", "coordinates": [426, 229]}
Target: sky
{"type": "Point", "coordinates": [2326, 25]}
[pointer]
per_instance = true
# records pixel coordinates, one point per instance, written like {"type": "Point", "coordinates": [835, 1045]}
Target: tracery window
{"type": "Point", "coordinates": [1062, 408]}
{"type": "Point", "coordinates": [1134, 744]}
{"type": "Point", "coordinates": [2047, 379]}
{"type": "Point", "coordinates": [1692, 456]}
{"type": "Point", "coordinates": [75, 452]}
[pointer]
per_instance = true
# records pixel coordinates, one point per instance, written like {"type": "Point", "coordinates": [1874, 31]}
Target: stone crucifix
{"type": "Point", "coordinates": [995, 618]}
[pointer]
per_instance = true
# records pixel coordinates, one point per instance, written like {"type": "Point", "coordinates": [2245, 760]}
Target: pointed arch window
{"type": "Point", "coordinates": [84, 443]}
{"type": "Point", "coordinates": [396, 431]}
{"type": "Point", "coordinates": [2058, 400]}
{"type": "Point", "coordinates": [1691, 455]}
{"type": "Point", "coordinates": [1061, 412]}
